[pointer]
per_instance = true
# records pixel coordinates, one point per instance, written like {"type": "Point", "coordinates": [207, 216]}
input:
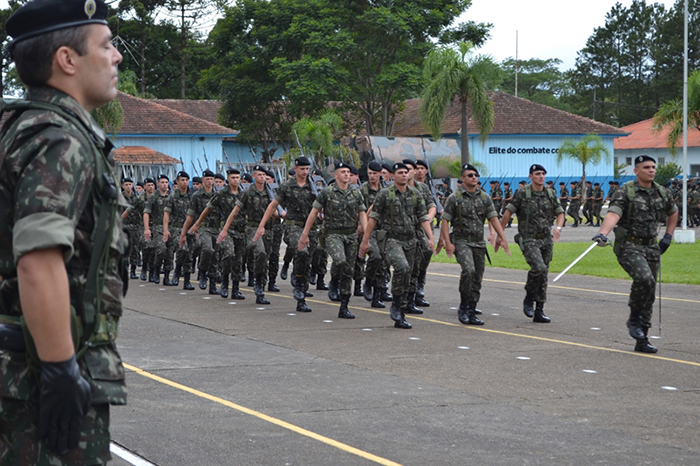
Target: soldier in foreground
{"type": "Point", "coordinates": [536, 208]}
{"type": "Point", "coordinates": [374, 271]}
{"type": "Point", "coordinates": [637, 208]}
{"type": "Point", "coordinates": [401, 209]}
{"type": "Point", "coordinates": [467, 209]}
{"type": "Point", "coordinates": [59, 198]}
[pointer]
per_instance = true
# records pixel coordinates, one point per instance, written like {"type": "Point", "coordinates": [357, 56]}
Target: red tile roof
{"type": "Point", "coordinates": [134, 155]}
{"type": "Point", "coordinates": [644, 137]}
{"type": "Point", "coordinates": [514, 115]}
{"type": "Point", "coordinates": [204, 109]}
{"type": "Point", "coordinates": [148, 117]}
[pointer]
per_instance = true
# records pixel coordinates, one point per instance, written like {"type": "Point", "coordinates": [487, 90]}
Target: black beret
{"type": "Point", "coordinates": [219, 176]}
{"type": "Point", "coordinates": [207, 172]}
{"type": "Point", "coordinates": [535, 167]}
{"type": "Point", "coordinates": [506, 184]}
{"type": "Point", "coordinates": [374, 166]}
{"type": "Point", "coordinates": [422, 163]}
{"type": "Point", "coordinates": [446, 180]}
{"type": "Point", "coordinates": [149, 180]}
{"type": "Point", "coordinates": [469, 166]}
{"type": "Point", "coordinates": [127, 180]}
{"type": "Point", "coordinates": [561, 183]}
{"type": "Point", "coordinates": [318, 172]}
{"type": "Point", "coordinates": [43, 16]}
{"type": "Point", "coordinates": [292, 171]}
{"type": "Point", "coordinates": [233, 171]}
{"type": "Point", "coordinates": [493, 181]}
{"type": "Point", "coordinates": [354, 170]}
{"type": "Point", "coordinates": [163, 176]}
{"type": "Point", "coordinates": [196, 179]}
{"type": "Point", "coordinates": [247, 177]}
{"type": "Point", "coordinates": [574, 182]}
{"type": "Point", "coordinates": [182, 174]}
{"type": "Point", "coordinates": [387, 167]}
{"type": "Point", "coordinates": [617, 183]}
{"type": "Point", "coordinates": [270, 173]}
{"type": "Point", "coordinates": [301, 162]}
{"type": "Point", "coordinates": [643, 158]}
{"type": "Point", "coordinates": [596, 184]}
{"type": "Point", "coordinates": [340, 165]}
{"type": "Point", "coordinates": [140, 183]}
{"type": "Point", "coordinates": [409, 162]}
{"type": "Point", "coordinates": [550, 182]}
{"type": "Point", "coordinates": [611, 182]}
{"type": "Point", "coordinates": [260, 168]}
{"type": "Point", "coordinates": [399, 166]}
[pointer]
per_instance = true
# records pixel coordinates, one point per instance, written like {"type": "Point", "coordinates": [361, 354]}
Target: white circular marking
{"type": "Point", "coordinates": [495, 314]}
{"type": "Point", "coordinates": [142, 286]}
{"type": "Point", "coordinates": [328, 321]}
{"type": "Point", "coordinates": [523, 358]}
{"type": "Point", "coordinates": [454, 308]}
{"type": "Point", "coordinates": [463, 347]}
{"type": "Point", "coordinates": [413, 338]}
{"type": "Point", "coordinates": [595, 328]}
{"type": "Point", "coordinates": [589, 371]}
{"type": "Point", "coordinates": [669, 388]}
{"type": "Point", "coordinates": [161, 289]}
{"type": "Point", "coordinates": [291, 314]}
{"type": "Point", "coordinates": [183, 294]}
{"type": "Point", "coordinates": [206, 297]}
{"type": "Point", "coordinates": [366, 329]}
{"type": "Point", "coordinates": [655, 337]}
{"type": "Point", "coordinates": [260, 308]}
{"type": "Point", "coordinates": [233, 302]}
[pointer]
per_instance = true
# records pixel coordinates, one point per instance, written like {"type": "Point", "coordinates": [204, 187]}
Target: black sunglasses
{"type": "Point", "coordinates": [472, 175]}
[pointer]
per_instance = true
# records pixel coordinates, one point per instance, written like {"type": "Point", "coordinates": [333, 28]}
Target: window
{"type": "Point", "coordinates": [662, 161]}
{"type": "Point", "coordinates": [695, 170]}
{"type": "Point", "coordinates": [628, 160]}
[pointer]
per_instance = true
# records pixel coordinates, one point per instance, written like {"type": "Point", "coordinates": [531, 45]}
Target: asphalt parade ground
{"type": "Point", "coordinates": [214, 381]}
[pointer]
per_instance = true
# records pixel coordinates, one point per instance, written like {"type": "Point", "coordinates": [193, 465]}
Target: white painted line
{"type": "Point", "coordinates": [260, 308]}
{"type": "Point", "coordinates": [161, 289]}
{"type": "Point", "coordinates": [670, 388]}
{"type": "Point", "coordinates": [291, 314]}
{"type": "Point", "coordinates": [523, 358]}
{"type": "Point", "coordinates": [495, 314]}
{"type": "Point", "coordinates": [588, 371]}
{"type": "Point", "coordinates": [453, 308]}
{"type": "Point", "coordinates": [463, 347]}
{"type": "Point", "coordinates": [232, 303]}
{"type": "Point", "coordinates": [655, 337]}
{"type": "Point", "coordinates": [142, 286]}
{"type": "Point", "coordinates": [206, 297]}
{"type": "Point", "coordinates": [413, 338]}
{"type": "Point", "coordinates": [367, 329]}
{"type": "Point", "coordinates": [328, 321]}
{"type": "Point", "coordinates": [595, 328]}
{"type": "Point", "coordinates": [183, 293]}
{"type": "Point", "coordinates": [127, 456]}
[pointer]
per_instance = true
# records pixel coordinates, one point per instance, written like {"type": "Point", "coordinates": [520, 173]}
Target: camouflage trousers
{"type": "Point", "coordinates": [257, 252]}
{"type": "Point", "coordinates": [208, 261]}
{"type": "Point", "coordinates": [273, 265]}
{"type": "Point", "coordinates": [343, 251]}
{"type": "Point", "coordinates": [596, 210]}
{"type": "Point", "coordinates": [401, 255]}
{"type": "Point", "coordinates": [472, 259]}
{"type": "Point", "coordinates": [564, 204]}
{"type": "Point", "coordinates": [302, 259]}
{"type": "Point", "coordinates": [422, 259]}
{"type": "Point", "coordinates": [573, 210]}
{"type": "Point", "coordinates": [289, 251]}
{"type": "Point", "coordinates": [20, 444]}
{"type": "Point", "coordinates": [183, 255]}
{"type": "Point", "coordinates": [374, 271]}
{"type": "Point", "coordinates": [642, 264]}
{"type": "Point", "coordinates": [135, 240]}
{"type": "Point", "coordinates": [319, 261]}
{"type": "Point", "coordinates": [148, 251]}
{"type": "Point", "coordinates": [359, 272]}
{"type": "Point", "coordinates": [538, 254]}
{"type": "Point", "coordinates": [232, 250]}
{"type": "Point", "coordinates": [165, 250]}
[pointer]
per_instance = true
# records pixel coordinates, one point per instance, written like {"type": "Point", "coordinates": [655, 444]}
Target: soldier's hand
{"type": "Point", "coordinates": [440, 245]}
{"type": "Point", "coordinates": [602, 240]}
{"type": "Point", "coordinates": [557, 234]}
{"type": "Point", "coordinates": [431, 243]}
{"type": "Point", "coordinates": [492, 239]}
{"type": "Point", "coordinates": [182, 241]}
{"type": "Point", "coordinates": [450, 249]}
{"type": "Point", "coordinates": [64, 401]}
{"type": "Point", "coordinates": [147, 235]}
{"type": "Point", "coordinates": [503, 242]}
{"type": "Point", "coordinates": [258, 233]}
{"type": "Point", "coordinates": [193, 229]}
{"type": "Point", "coordinates": [364, 247]}
{"type": "Point", "coordinates": [303, 242]}
{"type": "Point", "coordinates": [222, 236]}
{"type": "Point", "coordinates": [166, 236]}
{"type": "Point", "coordinates": [665, 242]}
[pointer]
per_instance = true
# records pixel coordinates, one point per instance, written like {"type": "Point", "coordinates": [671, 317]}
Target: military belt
{"type": "Point", "coordinates": [470, 238]}
{"type": "Point", "coordinates": [404, 237]}
{"type": "Point", "coordinates": [340, 231]}
{"type": "Point", "coordinates": [253, 224]}
{"type": "Point", "coordinates": [639, 241]}
{"type": "Point", "coordinates": [542, 235]}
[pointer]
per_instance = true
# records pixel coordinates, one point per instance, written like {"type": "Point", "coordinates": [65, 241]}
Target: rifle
{"type": "Point", "coordinates": [312, 180]}
{"type": "Point", "coordinates": [429, 179]}
{"type": "Point", "coordinates": [271, 194]}
{"type": "Point", "coordinates": [205, 157]}
{"type": "Point", "coordinates": [228, 161]}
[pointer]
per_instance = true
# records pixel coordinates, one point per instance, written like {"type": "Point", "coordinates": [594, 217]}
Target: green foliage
{"type": "Point", "coordinates": [671, 113]}
{"type": "Point", "coordinates": [539, 80]}
{"type": "Point", "coordinates": [452, 166]}
{"type": "Point", "coordinates": [588, 150]}
{"type": "Point", "coordinates": [665, 172]}
{"type": "Point", "coordinates": [618, 168]}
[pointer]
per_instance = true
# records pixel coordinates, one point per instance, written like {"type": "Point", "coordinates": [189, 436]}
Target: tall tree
{"type": "Point", "coordinates": [539, 80]}
{"type": "Point", "coordinates": [458, 74]}
{"type": "Point", "coordinates": [671, 113]}
{"type": "Point", "coordinates": [589, 150]}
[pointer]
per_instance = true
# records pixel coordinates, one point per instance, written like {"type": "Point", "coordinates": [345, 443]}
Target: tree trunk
{"type": "Point", "coordinates": [465, 134]}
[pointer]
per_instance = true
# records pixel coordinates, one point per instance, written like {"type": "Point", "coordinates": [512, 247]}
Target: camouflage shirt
{"type": "Point", "coordinates": [400, 213]}
{"type": "Point", "coordinates": [648, 209]}
{"type": "Point", "coordinates": [535, 215]}
{"type": "Point", "coordinates": [475, 208]}
{"type": "Point", "coordinates": [135, 209]}
{"type": "Point", "coordinates": [369, 194]}
{"type": "Point", "coordinates": [178, 206]}
{"type": "Point", "coordinates": [341, 208]}
{"type": "Point", "coordinates": [298, 200]}
{"type": "Point", "coordinates": [223, 203]}
{"type": "Point", "coordinates": [424, 190]}
{"type": "Point", "coordinates": [155, 208]}
{"type": "Point", "coordinates": [198, 203]}
{"type": "Point", "coordinates": [598, 193]}
{"type": "Point", "coordinates": [576, 192]}
{"type": "Point", "coordinates": [253, 204]}
{"type": "Point", "coordinates": [48, 199]}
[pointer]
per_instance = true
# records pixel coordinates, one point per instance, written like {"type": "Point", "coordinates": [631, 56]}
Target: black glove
{"type": "Point", "coordinates": [64, 402]}
{"type": "Point", "coordinates": [601, 239]}
{"type": "Point", "coordinates": [665, 242]}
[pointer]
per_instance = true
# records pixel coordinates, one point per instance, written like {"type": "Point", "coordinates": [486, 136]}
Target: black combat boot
{"type": "Point", "coordinates": [463, 310]}
{"type": "Point", "coordinates": [398, 317]}
{"type": "Point", "coordinates": [575, 225]}
{"type": "Point", "coordinates": [212, 286]}
{"type": "Point", "coordinates": [410, 307]}
{"type": "Point", "coordinates": [154, 276]}
{"type": "Point", "coordinates": [144, 270]}
{"type": "Point", "coordinates": [471, 314]}
{"type": "Point", "coordinates": [635, 326]}
{"type": "Point", "coordinates": [302, 307]}
{"type": "Point", "coordinates": [528, 304]}
{"type": "Point", "coordinates": [333, 290]}
{"type": "Point", "coordinates": [643, 345]}
{"type": "Point", "coordinates": [420, 301]}
{"type": "Point", "coordinates": [298, 288]}
{"type": "Point", "coordinates": [539, 314]}
{"type": "Point", "coordinates": [176, 276]}
{"type": "Point", "coordinates": [284, 271]}
{"type": "Point", "coordinates": [166, 279]}
{"type": "Point", "coordinates": [202, 280]}
{"type": "Point", "coordinates": [376, 299]}
{"type": "Point", "coordinates": [251, 279]}
{"type": "Point", "coordinates": [344, 312]}
{"type": "Point", "coordinates": [224, 286]}
{"type": "Point", "coordinates": [235, 290]}
{"type": "Point", "coordinates": [187, 285]}
{"type": "Point", "coordinates": [320, 282]}
{"type": "Point", "coordinates": [260, 289]}
{"type": "Point", "coordinates": [367, 290]}
{"type": "Point", "coordinates": [272, 286]}
{"type": "Point", "coordinates": [358, 288]}
{"type": "Point", "coordinates": [133, 275]}
{"type": "Point", "coordinates": [386, 296]}
{"type": "Point", "coordinates": [420, 288]}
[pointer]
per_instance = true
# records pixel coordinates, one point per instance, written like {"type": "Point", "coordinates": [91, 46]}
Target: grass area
{"type": "Point", "coordinates": [679, 263]}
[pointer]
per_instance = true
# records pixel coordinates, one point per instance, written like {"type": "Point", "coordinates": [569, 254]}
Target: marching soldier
{"type": "Point", "coordinates": [153, 216]}
{"type": "Point", "coordinates": [374, 276]}
{"type": "Point", "coordinates": [563, 198]}
{"type": "Point", "coordinates": [273, 261]}
{"type": "Point", "coordinates": [507, 196]}
{"type": "Point", "coordinates": [636, 209]}
{"type": "Point", "coordinates": [598, 195]}
{"type": "Point", "coordinates": [148, 250]}
{"type": "Point", "coordinates": [133, 222]}
{"type": "Point", "coordinates": [252, 204]}
{"type": "Point", "coordinates": [588, 205]}
{"type": "Point", "coordinates": [173, 220]}
{"type": "Point", "coordinates": [401, 209]}
{"type": "Point", "coordinates": [343, 211]}
{"type": "Point", "coordinates": [496, 195]}
{"type": "Point", "coordinates": [536, 208]}
{"type": "Point", "coordinates": [575, 203]}
{"type": "Point", "coordinates": [466, 210]}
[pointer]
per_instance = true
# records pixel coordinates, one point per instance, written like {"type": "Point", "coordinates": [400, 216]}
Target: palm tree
{"type": "Point", "coordinates": [589, 150]}
{"type": "Point", "coordinates": [671, 113]}
{"type": "Point", "coordinates": [457, 73]}
{"type": "Point", "coordinates": [320, 134]}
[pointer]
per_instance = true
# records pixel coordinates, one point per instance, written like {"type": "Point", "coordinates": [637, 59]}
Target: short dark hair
{"type": "Point", "coordinates": [34, 57]}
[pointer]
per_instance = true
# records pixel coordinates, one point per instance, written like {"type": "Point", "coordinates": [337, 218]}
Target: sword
{"type": "Point", "coordinates": [575, 261]}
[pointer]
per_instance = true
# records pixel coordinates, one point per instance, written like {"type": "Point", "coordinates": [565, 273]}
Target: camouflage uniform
{"type": "Point", "coordinates": [164, 250]}
{"type": "Point", "coordinates": [253, 204]}
{"type": "Point", "coordinates": [48, 198]}
{"type": "Point", "coordinates": [177, 207]}
{"type": "Point", "coordinates": [575, 205]}
{"type": "Point", "coordinates": [423, 252]}
{"type": "Point", "coordinates": [597, 205]}
{"type": "Point", "coordinates": [207, 233]}
{"type": "Point", "coordinates": [232, 249]}
{"type": "Point", "coordinates": [497, 203]}
{"type": "Point", "coordinates": [639, 252]}
{"type": "Point", "coordinates": [535, 217]}
{"type": "Point", "coordinates": [399, 218]}
{"type": "Point", "coordinates": [468, 237]}
{"type": "Point", "coordinates": [563, 192]}
{"type": "Point", "coordinates": [374, 270]}
{"type": "Point", "coordinates": [507, 192]}
{"type": "Point", "coordinates": [341, 209]}
{"type": "Point", "coordinates": [134, 225]}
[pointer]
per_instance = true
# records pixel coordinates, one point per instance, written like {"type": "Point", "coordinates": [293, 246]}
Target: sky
{"type": "Point", "coordinates": [546, 28]}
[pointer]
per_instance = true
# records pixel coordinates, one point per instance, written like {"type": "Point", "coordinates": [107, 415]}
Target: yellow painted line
{"type": "Point", "coordinates": [664, 298]}
{"type": "Point", "coordinates": [265, 417]}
